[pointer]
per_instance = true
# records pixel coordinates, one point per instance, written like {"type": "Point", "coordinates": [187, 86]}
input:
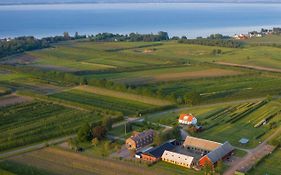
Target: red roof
{"type": "Point", "coordinates": [186, 117]}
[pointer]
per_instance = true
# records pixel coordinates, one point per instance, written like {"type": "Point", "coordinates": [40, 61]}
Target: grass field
{"type": "Point", "coordinates": [166, 74]}
{"type": "Point", "coordinates": [227, 88]}
{"type": "Point", "coordinates": [36, 121]}
{"type": "Point", "coordinates": [106, 102]}
{"type": "Point", "coordinates": [65, 162]}
{"type": "Point", "coordinates": [93, 56]}
{"type": "Point", "coordinates": [14, 168]}
{"type": "Point", "coordinates": [126, 96]}
{"type": "Point", "coordinates": [270, 165]}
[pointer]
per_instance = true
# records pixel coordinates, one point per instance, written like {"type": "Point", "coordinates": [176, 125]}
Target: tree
{"type": "Point", "coordinates": [219, 167]}
{"type": "Point", "coordinates": [76, 35]}
{"type": "Point", "coordinates": [192, 98]}
{"type": "Point", "coordinates": [157, 138]}
{"type": "Point", "coordinates": [176, 133]}
{"type": "Point", "coordinates": [105, 148]}
{"type": "Point", "coordinates": [84, 133]}
{"type": "Point", "coordinates": [95, 141]}
{"type": "Point", "coordinates": [107, 123]}
{"type": "Point", "coordinates": [208, 168]}
{"type": "Point", "coordinates": [72, 143]}
{"type": "Point", "coordinates": [66, 35]}
{"type": "Point", "coordinates": [99, 132]}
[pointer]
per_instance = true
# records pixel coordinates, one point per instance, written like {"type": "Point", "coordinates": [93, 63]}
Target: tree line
{"type": "Point", "coordinates": [213, 42]}
{"type": "Point", "coordinates": [160, 36]}
{"type": "Point", "coordinates": [28, 43]}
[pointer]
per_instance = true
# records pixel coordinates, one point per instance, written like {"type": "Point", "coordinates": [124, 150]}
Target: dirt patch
{"type": "Point", "coordinates": [12, 100]}
{"type": "Point", "coordinates": [250, 67]}
{"type": "Point", "coordinates": [68, 163]}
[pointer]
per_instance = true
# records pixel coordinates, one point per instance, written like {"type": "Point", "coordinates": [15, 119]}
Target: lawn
{"type": "Point", "coordinates": [269, 165]}
{"type": "Point", "coordinates": [37, 121]}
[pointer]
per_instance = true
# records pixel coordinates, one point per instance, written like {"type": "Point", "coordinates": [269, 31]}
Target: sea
{"type": "Point", "coordinates": [178, 19]}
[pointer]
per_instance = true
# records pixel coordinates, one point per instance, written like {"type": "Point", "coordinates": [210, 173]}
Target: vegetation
{"type": "Point", "coordinates": [268, 165]}
{"type": "Point", "coordinates": [15, 168]}
{"type": "Point", "coordinates": [38, 121]}
{"type": "Point", "coordinates": [131, 37]}
{"type": "Point", "coordinates": [213, 42]}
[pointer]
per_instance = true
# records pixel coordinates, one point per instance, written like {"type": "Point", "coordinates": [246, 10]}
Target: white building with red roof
{"type": "Point", "coordinates": [187, 119]}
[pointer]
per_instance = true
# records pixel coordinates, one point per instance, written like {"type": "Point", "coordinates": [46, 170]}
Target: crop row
{"type": "Point", "coordinates": [115, 104]}
{"type": "Point", "coordinates": [39, 121]}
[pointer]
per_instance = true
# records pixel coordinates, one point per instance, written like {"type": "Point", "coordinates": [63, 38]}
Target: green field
{"type": "Point", "coordinates": [127, 107]}
{"type": "Point", "coordinates": [270, 165]}
{"type": "Point", "coordinates": [14, 168]}
{"type": "Point", "coordinates": [38, 121]}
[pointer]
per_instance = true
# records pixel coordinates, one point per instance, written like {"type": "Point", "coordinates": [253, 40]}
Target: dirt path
{"type": "Point", "coordinates": [253, 156]}
{"type": "Point", "coordinates": [249, 67]}
{"type": "Point", "coordinates": [34, 147]}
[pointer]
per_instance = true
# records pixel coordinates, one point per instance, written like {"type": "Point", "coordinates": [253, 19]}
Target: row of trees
{"type": "Point", "coordinates": [160, 36]}
{"type": "Point", "coordinates": [27, 43]}
{"type": "Point", "coordinates": [213, 42]}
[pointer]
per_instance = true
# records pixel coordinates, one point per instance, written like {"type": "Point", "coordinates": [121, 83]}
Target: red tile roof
{"type": "Point", "coordinates": [186, 117]}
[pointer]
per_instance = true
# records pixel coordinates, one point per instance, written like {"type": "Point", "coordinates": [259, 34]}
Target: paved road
{"type": "Point", "coordinates": [253, 155]}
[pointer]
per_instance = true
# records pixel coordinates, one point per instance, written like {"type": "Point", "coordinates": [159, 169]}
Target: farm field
{"type": "Point", "coordinates": [37, 121]}
{"type": "Point", "coordinates": [123, 95]}
{"type": "Point", "coordinates": [92, 56]}
{"type": "Point", "coordinates": [14, 168]}
{"type": "Point", "coordinates": [65, 163]}
{"type": "Point", "coordinates": [269, 165]}
{"type": "Point", "coordinates": [166, 74]}
{"type": "Point", "coordinates": [242, 121]}
{"type": "Point", "coordinates": [216, 89]}
{"type": "Point", "coordinates": [125, 106]}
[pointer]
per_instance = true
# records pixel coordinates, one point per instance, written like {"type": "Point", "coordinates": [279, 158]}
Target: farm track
{"type": "Point", "coordinates": [249, 67]}
{"type": "Point", "coordinates": [33, 147]}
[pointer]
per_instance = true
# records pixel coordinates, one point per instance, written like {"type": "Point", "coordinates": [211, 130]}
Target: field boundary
{"type": "Point", "coordinates": [249, 67]}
